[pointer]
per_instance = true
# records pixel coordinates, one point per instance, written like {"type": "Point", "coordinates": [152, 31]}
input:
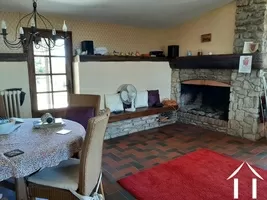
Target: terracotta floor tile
{"type": "Point", "coordinates": [133, 153]}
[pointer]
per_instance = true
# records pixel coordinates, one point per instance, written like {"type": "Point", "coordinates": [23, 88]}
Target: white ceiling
{"type": "Point", "coordinates": [145, 13]}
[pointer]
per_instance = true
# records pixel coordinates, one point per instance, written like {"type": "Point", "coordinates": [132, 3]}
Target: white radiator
{"type": "Point", "coordinates": [12, 102]}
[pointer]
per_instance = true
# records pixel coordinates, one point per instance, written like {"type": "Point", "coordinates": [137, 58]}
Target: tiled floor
{"type": "Point", "coordinates": [129, 154]}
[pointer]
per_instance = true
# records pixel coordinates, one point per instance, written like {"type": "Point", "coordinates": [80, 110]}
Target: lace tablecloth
{"type": "Point", "coordinates": [41, 147]}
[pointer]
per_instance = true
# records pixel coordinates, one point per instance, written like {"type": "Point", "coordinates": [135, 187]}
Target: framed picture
{"type": "Point", "coordinates": [206, 37]}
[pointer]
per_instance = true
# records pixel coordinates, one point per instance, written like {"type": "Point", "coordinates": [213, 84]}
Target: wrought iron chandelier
{"type": "Point", "coordinates": [32, 36]}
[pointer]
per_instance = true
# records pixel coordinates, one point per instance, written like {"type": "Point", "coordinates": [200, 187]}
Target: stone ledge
{"type": "Point", "coordinates": [140, 112]}
{"type": "Point", "coordinates": [205, 122]}
{"type": "Point", "coordinates": [126, 127]}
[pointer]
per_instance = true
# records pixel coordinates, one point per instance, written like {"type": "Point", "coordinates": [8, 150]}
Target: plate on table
{"type": "Point", "coordinates": [7, 126]}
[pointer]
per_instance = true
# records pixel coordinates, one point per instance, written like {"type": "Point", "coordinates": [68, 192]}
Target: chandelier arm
{"type": "Point", "coordinates": [24, 18]}
{"type": "Point", "coordinates": [15, 36]}
{"type": "Point", "coordinates": [32, 15]}
{"type": "Point", "coordinates": [43, 46]}
{"type": "Point", "coordinates": [43, 19]}
{"type": "Point", "coordinates": [12, 43]}
{"type": "Point", "coordinates": [54, 43]}
{"type": "Point", "coordinates": [12, 46]}
{"type": "Point", "coordinates": [30, 40]}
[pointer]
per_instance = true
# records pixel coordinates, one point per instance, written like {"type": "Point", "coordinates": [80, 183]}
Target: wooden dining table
{"type": "Point", "coordinates": [42, 148]}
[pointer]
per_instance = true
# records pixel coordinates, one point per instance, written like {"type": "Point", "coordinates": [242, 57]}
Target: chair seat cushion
{"type": "Point", "coordinates": [63, 176]}
{"type": "Point", "coordinates": [80, 114]}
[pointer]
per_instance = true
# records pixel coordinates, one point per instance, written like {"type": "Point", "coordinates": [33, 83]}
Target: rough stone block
{"type": "Point", "coordinates": [253, 110]}
{"type": "Point", "coordinates": [234, 124]}
{"type": "Point", "coordinates": [242, 2]}
{"type": "Point", "coordinates": [248, 102]}
{"type": "Point", "coordinates": [250, 136]}
{"type": "Point", "coordinates": [141, 122]}
{"type": "Point", "coordinates": [240, 114]}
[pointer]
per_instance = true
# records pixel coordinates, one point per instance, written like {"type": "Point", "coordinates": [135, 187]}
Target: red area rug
{"type": "Point", "coordinates": [201, 175]}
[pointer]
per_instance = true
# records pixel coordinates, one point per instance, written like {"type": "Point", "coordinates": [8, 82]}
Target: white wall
{"type": "Point", "coordinates": [106, 77]}
{"type": "Point", "coordinates": [15, 75]}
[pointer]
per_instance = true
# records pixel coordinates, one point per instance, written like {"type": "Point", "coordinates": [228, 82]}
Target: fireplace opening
{"type": "Point", "coordinates": [205, 100]}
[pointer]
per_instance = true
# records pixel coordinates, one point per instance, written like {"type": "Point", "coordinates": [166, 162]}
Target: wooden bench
{"type": "Point", "coordinates": [140, 112]}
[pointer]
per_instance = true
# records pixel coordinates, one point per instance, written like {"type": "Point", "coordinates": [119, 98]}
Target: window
{"type": "Point", "coordinates": [50, 75]}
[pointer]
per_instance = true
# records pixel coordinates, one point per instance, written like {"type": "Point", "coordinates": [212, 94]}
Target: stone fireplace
{"type": "Point", "coordinates": [220, 100]}
{"type": "Point", "coordinates": [205, 98]}
{"type": "Point", "coordinates": [245, 89]}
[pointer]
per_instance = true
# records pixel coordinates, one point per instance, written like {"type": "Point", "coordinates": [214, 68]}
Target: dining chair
{"type": "Point", "coordinates": [82, 107]}
{"type": "Point", "coordinates": [2, 107]}
{"type": "Point", "coordinates": [85, 100]}
{"type": "Point", "coordinates": [74, 176]}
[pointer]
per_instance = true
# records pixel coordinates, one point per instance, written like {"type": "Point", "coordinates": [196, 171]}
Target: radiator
{"type": "Point", "coordinates": [11, 102]}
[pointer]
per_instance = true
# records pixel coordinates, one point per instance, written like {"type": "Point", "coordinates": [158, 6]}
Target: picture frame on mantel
{"type": "Point", "coordinates": [206, 38]}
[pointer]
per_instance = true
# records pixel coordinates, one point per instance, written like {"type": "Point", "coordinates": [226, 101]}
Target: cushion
{"type": "Point", "coordinates": [63, 176]}
{"type": "Point", "coordinates": [141, 99]}
{"type": "Point", "coordinates": [113, 102]}
{"type": "Point", "coordinates": [80, 114]}
{"type": "Point", "coordinates": [153, 98]}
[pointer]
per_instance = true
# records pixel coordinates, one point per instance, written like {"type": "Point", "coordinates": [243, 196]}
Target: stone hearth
{"type": "Point", "coordinates": [245, 91]}
{"type": "Point", "coordinates": [205, 100]}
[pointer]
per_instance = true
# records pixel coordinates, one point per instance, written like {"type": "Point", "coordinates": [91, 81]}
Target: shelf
{"type": "Point", "coordinates": [225, 61]}
{"type": "Point", "coordinates": [90, 58]}
{"type": "Point", "coordinates": [140, 112]}
{"type": "Point", "coordinates": [13, 57]}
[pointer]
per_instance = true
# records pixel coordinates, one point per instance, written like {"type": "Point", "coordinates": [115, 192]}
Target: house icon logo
{"type": "Point", "coordinates": [254, 181]}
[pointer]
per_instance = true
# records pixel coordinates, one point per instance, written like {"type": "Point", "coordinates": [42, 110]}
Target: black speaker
{"type": "Point", "coordinates": [173, 51]}
{"type": "Point", "coordinates": [88, 46]}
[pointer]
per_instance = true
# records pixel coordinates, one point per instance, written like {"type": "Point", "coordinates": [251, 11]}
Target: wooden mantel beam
{"type": "Point", "coordinates": [225, 61]}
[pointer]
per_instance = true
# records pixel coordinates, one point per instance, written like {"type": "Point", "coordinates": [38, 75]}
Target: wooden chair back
{"type": "Point", "coordinates": [85, 100]}
{"type": "Point", "coordinates": [91, 156]}
{"type": "Point", "coordinates": [2, 107]}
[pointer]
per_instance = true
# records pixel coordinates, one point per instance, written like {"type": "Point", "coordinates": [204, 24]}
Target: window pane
{"type": "Point", "coordinates": [44, 101]}
{"type": "Point", "coordinates": [60, 99]}
{"type": "Point", "coordinates": [59, 82]}
{"type": "Point", "coordinates": [42, 65]}
{"type": "Point", "coordinates": [43, 83]}
{"type": "Point", "coordinates": [58, 65]}
{"type": "Point", "coordinates": [59, 49]}
{"type": "Point", "coordinates": [41, 48]}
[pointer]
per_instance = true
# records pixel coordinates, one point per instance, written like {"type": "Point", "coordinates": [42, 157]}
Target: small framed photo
{"type": "Point", "coordinates": [206, 37]}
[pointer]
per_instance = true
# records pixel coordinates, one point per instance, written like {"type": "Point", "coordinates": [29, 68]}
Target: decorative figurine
{"type": "Point", "coordinates": [132, 54]}
{"type": "Point", "coordinates": [137, 53]}
{"type": "Point", "coordinates": [199, 53]}
{"type": "Point", "coordinates": [189, 53]}
{"type": "Point", "coordinates": [115, 53]}
{"type": "Point", "coordinates": [121, 54]}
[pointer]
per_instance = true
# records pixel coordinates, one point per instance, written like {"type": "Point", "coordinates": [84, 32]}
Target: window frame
{"type": "Point", "coordinates": [31, 70]}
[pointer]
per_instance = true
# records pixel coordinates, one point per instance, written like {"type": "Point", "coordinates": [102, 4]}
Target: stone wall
{"type": "Point", "coordinates": [246, 88]}
{"type": "Point", "coordinates": [204, 122]}
{"type": "Point", "coordinates": [126, 127]}
{"type": "Point", "coordinates": [244, 105]}
{"type": "Point", "coordinates": [250, 24]}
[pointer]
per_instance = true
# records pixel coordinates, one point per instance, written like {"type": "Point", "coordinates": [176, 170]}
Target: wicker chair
{"type": "Point", "coordinates": [81, 176]}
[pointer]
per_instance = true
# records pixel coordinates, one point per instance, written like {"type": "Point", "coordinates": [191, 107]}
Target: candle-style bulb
{"type": "Point", "coordinates": [3, 25]}
{"type": "Point", "coordinates": [54, 31]}
{"type": "Point", "coordinates": [32, 22]}
{"type": "Point", "coordinates": [21, 31]}
{"type": "Point", "coordinates": [64, 28]}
